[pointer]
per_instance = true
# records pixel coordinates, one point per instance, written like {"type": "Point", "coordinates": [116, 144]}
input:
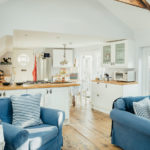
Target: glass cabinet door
{"type": "Point", "coordinates": [120, 53]}
{"type": "Point", "coordinates": [107, 54]}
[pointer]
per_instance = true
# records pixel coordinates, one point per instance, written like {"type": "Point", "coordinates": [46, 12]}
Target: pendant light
{"type": "Point", "coordinates": [64, 62]}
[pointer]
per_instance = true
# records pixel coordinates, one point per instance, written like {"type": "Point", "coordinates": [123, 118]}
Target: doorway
{"type": "Point", "coordinates": [86, 63]}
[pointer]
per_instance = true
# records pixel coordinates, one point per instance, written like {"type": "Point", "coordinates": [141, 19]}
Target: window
{"type": "Point", "coordinates": [23, 59]}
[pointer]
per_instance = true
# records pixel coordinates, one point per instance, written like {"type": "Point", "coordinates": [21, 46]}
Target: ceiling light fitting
{"type": "Point", "coordinates": [64, 62]}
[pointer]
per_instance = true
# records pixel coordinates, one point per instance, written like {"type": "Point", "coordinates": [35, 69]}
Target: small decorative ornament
{"type": "Point", "coordinates": [2, 143]}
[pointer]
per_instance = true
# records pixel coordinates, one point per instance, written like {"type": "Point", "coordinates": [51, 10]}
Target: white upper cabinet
{"type": "Point", "coordinates": [58, 57]}
{"type": "Point", "coordinates": [119, 54]}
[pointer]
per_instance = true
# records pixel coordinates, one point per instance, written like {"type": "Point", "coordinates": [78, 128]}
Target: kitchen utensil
{"type": "Point", "coordinates": [6, 83]}
{"type": "Point", "coordinates": [19, 83]}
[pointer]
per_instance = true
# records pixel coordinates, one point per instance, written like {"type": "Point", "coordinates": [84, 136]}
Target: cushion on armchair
{"type": "Point", "coordinates": [5, 110]}
{"type": "Point", "coordinates": [119, 104]}
{"type": "Point", "coordinates": [128, 103]}
{"type": "Point", "coordinates": [41, 134]}
{"type": "Point", "coordinates": [26, 110]}
{"type": "Point", "coordinates": [142, 108]}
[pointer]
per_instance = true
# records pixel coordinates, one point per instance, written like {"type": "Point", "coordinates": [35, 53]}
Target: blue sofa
{"type": "Point", "coordinates": [47, 136]}
{"type": "Point", "coordinates": [129, 131]}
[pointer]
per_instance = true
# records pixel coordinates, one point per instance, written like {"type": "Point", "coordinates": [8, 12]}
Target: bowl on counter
{"type": "Point", "coordinates": [19, 83]}
{"type": "Point", "coordinates": [6, 83]}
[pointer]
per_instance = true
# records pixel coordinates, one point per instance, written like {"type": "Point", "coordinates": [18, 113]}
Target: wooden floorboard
{"type": "Point", "coordinates": [88, 130]}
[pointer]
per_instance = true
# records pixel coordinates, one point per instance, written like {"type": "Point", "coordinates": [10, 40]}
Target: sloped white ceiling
{"type": "Point", "coordinates": [2, 1]}
{"type": "Point", "coordinates": [137, 19]}
{"type": "Point", "coordinates": [85, 17]}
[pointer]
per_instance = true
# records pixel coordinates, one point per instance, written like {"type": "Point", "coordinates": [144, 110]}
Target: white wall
{"type": "Point", "coordinates": [137, 19]}
{"type": "Point", "coordinates": [87, 17]}
{"type": "Point", "coordinates": [5, 44]}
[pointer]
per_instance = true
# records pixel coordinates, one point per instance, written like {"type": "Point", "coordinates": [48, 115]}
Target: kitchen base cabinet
{"type": "Point", "coordinates": [8, 93]}
{"type": "Point", "coordinates": [103, 95]}
{"type": "Point", "coordinates": [58, 98]}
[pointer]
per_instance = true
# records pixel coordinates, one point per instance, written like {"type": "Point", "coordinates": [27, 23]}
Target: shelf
{"type": "Point", "coordinates": [5, 63]}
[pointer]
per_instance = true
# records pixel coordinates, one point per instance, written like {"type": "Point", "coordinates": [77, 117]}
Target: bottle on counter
{"type": "Point", "coordinates": [2, 143]}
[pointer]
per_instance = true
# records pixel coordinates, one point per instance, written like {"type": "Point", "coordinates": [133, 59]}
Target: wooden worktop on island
{"type": "Point", "coordinates": [34, 86]}
{"type": "Point", "coordinates": [114, 82]}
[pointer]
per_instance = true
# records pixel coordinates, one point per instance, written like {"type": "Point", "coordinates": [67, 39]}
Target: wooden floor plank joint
{"type": "Point", "coordinates": [88, 130]}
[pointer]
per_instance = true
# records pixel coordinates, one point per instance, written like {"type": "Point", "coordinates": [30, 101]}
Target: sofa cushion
{"type": "Point", "coordinates": [129, 102]}
{"type": "Point", "coordinates": [26, 110]}
{"type": "Point", "coordinates": [142, 108]}
{"type": "Point", "coordinates": [119, 104]}
{"type": "Point", "coordinates": [6, 110]}
{"type": "Point", "coordinates": [40, 135]}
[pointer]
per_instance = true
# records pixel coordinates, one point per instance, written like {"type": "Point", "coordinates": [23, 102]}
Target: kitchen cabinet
{"type": "Point", "coordinates": [107, 54]}
{"type": "Point", "coordinates": [58, 57]}
{"type": "Point", "coordinates": [119, 54]}
{"type": "Point", "coordinates": [8, 93]}
{"type": "Point", "coordinates": [58, 98]}
{"type": "Point", "coordinates": [103, 94]}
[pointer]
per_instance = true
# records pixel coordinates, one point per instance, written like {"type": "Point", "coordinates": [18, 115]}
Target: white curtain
{"type": "Point", "coordinates": [146, 71]}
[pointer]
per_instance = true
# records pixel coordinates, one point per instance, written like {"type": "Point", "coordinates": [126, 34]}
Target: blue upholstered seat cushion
{"type": "Point", "coordinates": [26, 110]}
{"type": "Point", "coordinates": [142, 108]}
{"type": "Point", "coordinates": [40, 135]}
{"type": "Point", "coordinates": [120, 104]}
{"type": "Point", "coordinates": [6, 110]}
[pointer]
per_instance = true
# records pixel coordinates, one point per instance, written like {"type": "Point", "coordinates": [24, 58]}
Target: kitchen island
{"type": "Point", "coordinates": [53, 95]}
{"type": "Point", "coordinates": [36, 86]}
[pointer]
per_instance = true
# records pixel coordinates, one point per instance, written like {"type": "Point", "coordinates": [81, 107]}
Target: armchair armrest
{"type": "Point", "coordinates": [53, 117]}
{"type": "Point", "coordinates": [14, 136]}
{"type": "Point", "coordinates": [130, 120]}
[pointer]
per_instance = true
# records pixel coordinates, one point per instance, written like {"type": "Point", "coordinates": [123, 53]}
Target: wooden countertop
{"type": "Point", "coordinates": [114, 82]}
{"type": "Point", "coordinates": [34, 86]}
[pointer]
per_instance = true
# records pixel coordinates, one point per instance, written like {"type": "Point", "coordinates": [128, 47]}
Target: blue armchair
{"type": "Point", "coordinates": [47, 136]}
{"type": "Point", "coordinates": [129, 131]}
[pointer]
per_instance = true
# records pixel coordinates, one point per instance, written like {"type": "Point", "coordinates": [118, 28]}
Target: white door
{"type": "Point", "coordinates": [23, 64]}
{"type": "Point", "coordinates": [48, 98]}
{"type": "Point", "coordinates": [120, 53]}
{"type": "Point", "coordinates": [86, 75]}
{"type": "Point", "coordinates": [111, 93]}
{"type": "Point", "coordinates": [38, 91]}
{"type": "Point", "coordinates": [58, 98]}
{"type": "Point", "coordinates": [107, 55]}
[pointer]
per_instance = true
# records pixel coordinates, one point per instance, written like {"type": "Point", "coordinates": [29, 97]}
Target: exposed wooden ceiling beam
{"type": "Point", "coordinates": [138, 3]}
{"type": "Point", "coordinates": [146, 3]}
